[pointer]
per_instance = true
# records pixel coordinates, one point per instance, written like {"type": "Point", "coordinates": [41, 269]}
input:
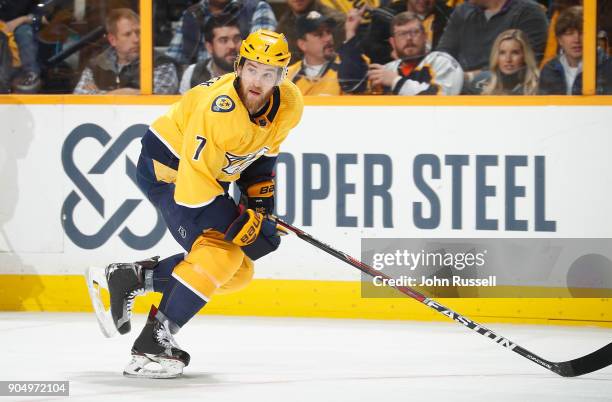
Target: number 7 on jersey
{"type": "Point", "coordinates": [198, 151]}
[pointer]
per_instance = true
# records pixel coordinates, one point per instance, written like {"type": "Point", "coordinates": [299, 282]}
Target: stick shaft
{"type": "Point", "coordinates": [473, 325]}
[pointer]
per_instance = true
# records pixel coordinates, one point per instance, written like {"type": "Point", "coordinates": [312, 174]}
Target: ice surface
{"type": "Point", "coordinates": [284, 359]}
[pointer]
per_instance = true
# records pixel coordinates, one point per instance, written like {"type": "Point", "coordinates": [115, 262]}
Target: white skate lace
{"type": "Point", "coordinates": [136, 292]}
{"type": "Point", "coordinates": [163, 336]}
{"type": "Point", "coordinates": [130, 300]}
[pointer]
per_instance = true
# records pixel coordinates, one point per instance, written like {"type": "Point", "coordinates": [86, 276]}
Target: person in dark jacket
{"type": "Point", "coordinates": [563, 74]}
{"type": "Point", "coordinates": [223, 40]}
{"type": "Point", "coordinates": [433, 13]}
{"type": "Point", "coordinates": [6, 65]}
{"type": "Point", "coordinates": [287, 24]}
{"type": "Point", "coordinates": [117, 69]}
{"type": "Point", "coordinates": [474, 25]}
{"type": "Point", "coordinates": [188, 45]}
{"type": "Point", "coordinates": [16, 22]}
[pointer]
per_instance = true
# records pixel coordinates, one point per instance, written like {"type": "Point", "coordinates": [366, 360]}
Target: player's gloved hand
{"type": "Point", "coordinates": [260, 197]}
{"type": "Point", "coordinates": [255, 234]}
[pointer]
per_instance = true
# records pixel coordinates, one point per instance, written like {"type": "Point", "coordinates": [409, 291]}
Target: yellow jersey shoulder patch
{"type": "Point", "coordinates": [223, 104]}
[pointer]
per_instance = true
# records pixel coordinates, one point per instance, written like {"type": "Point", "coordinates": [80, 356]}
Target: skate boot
{"type": "Point", "coordinates": [123, 281]}
{"type": "Point", "coordinates": [156, 347]}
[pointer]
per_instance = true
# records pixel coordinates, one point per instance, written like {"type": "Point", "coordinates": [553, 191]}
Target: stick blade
{"type": "Point", "coordinates": [587, 364]}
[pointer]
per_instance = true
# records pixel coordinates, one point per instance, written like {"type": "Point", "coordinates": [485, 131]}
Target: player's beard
{"type": "Point", "coordinates": [252, 101]}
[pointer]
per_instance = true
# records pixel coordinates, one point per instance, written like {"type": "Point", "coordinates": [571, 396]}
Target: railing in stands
{"type": "Point", "coordinates": [146, 73]}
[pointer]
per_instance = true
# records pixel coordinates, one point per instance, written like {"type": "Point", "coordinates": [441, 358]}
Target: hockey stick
{"type": "Point", "coordinates": [572, 368]}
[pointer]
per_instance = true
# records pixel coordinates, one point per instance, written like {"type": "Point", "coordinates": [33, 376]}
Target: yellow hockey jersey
{"type": "Point", "coordinates": [215, 137]}
{"type": "Point", "coordinates": [325, 84]}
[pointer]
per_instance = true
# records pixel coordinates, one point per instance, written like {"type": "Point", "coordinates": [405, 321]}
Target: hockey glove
{"type": "Point", "coordinates": [260, 197]}
{"type": "Point", "coordinates": [255, 234]}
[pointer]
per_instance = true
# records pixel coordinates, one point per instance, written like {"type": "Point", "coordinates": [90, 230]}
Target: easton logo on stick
{"type": "Point", "coordinates": [471, 324]}
{"type": "Point", "coordinates": [589, 363]}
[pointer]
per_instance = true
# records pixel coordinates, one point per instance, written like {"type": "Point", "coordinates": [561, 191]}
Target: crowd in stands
{"type": "Point", "coordinates": [400, 47]}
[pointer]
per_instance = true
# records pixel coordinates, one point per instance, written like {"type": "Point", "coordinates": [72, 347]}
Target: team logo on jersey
{"type": "Point", "coordinates": [210, 81]}
{"type": "Point", "coordinates": [237, 163]}
{"type": "Point", "coordinates": [223, 103]}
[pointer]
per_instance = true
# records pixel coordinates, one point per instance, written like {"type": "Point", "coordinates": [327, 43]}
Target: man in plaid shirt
{"type": "Point", "coordinates": [188, 43]}
{"type": "Point", "coordinates": [117, 69]}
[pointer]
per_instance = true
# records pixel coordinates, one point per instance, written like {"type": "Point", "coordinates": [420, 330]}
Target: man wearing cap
{"type": "Point", "coordinates": [287, 23]}
{"type": "Point", "coordinates": [321, 71]}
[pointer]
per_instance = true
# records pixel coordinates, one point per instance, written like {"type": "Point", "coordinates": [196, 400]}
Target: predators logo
{"type": "Point", "coordinates": [237, 163]}
{"type": "Point", "coordinates": [222, 103]}
{"type": "Point", "coordinates": [210, 81]}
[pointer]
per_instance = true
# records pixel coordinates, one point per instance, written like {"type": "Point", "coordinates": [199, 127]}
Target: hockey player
{"type": "Point", "coordinates": [228, 129]}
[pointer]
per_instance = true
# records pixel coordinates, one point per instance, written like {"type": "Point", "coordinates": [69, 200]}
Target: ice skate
{"type": "Point", "coordinates": [122, 282]}
{"type": "Point", "coordinates": [155, 353]}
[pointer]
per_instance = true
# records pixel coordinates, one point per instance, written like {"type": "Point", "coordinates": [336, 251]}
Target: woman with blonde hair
{"type": "Point", "coordinates": [512, 65]}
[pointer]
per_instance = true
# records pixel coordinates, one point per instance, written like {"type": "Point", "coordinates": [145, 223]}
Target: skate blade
{"type": "Point", "coordinates": [167, 368]}
{"type": "Point", "coordinates": [96, 283]}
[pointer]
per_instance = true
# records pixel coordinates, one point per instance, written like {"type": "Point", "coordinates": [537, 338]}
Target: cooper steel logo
{"type": "Point", "coordinates": [93, 197]}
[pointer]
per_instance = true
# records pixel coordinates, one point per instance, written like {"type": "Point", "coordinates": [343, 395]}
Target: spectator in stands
{"type": "Point", "coordinates": [474, 25]}
{"type": "Point", "coordinates": [287, 23]}
{"type": "Point", "coordinates": [16, 20]}
{"type": "Point", "coordinates": [563, 74]}
{"type": "Point", "coordinates": [415, 71]}
{"type": "Point", "coordinates": [117, 69]}
{"type": "Point", "coordinates": [512, 68]}
{"type": "Point", "coordinates": [222, 43]}
{"type": "Point", "coordinates": [552, 45]}
{"type": "Point", "coordinates": [319, 71]}
{"type": "Point", "coordinates": [602, 42]}
{"type": "Point", "coordinates": [6, 64]}
{"type": "Point", "coordinates": [604, 19]}
{"type": "Point", "coordinates": [433, 13]}
{"type": "Point", "coordinates": [188, 45]}
{"type": "Point", "coordinates": [345, 6]}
